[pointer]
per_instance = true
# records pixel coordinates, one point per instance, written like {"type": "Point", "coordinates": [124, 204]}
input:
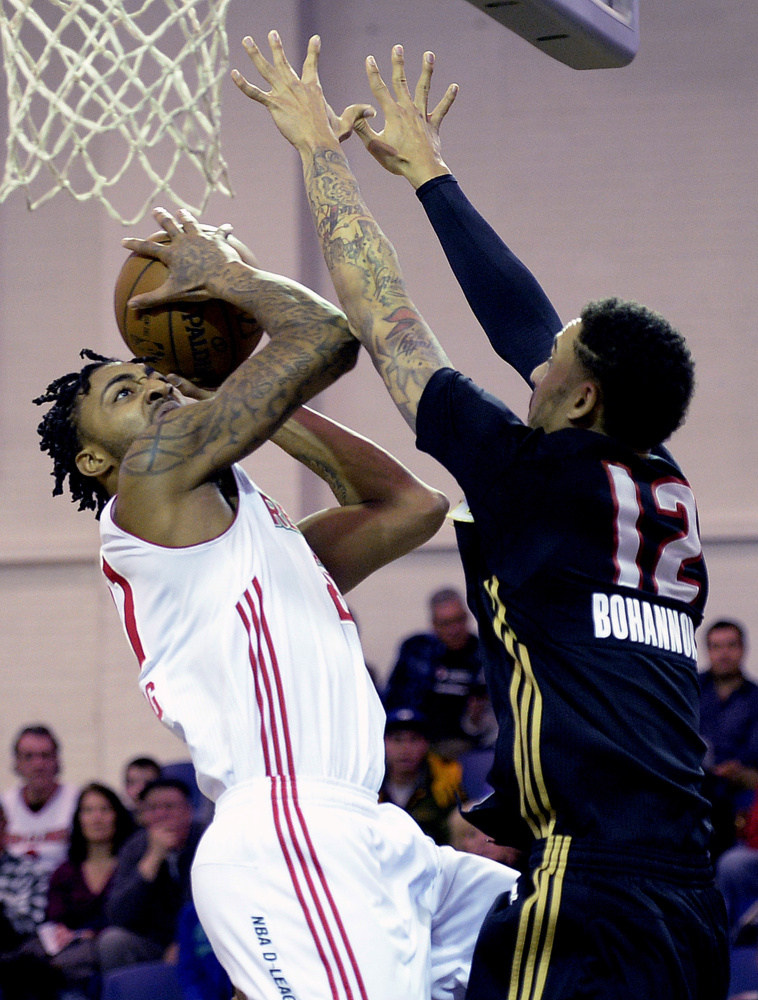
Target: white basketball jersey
{"type": "Point", "coordinates": [43, 834]}
{"type": "Point", "coordinates": [248, 651]}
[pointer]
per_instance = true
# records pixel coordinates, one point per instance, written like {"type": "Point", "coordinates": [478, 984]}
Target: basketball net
{"type": "Point", "coordinates": [96, 91]}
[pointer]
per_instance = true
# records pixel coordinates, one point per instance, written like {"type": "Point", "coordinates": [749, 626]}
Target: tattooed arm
{"type": "Point", "coordinates": [361, 261]}
{"type": "Point", "coordinates": [166, 483]}
{"type": "Point", "coordinates": [384, 512]}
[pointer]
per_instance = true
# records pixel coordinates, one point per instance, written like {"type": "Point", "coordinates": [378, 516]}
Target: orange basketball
{"type": "Point", "coordinates": [203, 341]}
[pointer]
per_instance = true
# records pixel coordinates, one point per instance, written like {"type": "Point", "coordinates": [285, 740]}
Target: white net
{"type": "Point", "coordinates": [100, 91]}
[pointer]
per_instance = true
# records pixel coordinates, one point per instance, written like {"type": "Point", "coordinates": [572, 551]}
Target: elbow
{"type": "Point", "coordinates": [430, 508]}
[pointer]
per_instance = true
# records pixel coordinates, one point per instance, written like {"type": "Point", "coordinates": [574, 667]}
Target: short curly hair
{"type": "Point", "coordinates": [643, 368]}
{"type": "Point", "coordinates": [59, 436]}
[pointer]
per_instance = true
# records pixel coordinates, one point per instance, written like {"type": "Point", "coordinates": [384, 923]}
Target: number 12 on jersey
{"type": "Point", "coordinates": [667, 501]}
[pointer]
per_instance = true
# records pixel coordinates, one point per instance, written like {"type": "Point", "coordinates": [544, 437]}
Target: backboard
{"type": "Point", "coordinates": [583, 34]}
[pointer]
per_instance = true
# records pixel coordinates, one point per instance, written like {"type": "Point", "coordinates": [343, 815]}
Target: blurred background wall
{"type": "Point", "coordinates": [639, 182]}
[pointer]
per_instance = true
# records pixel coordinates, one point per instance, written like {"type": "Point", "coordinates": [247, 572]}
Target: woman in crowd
{"type": "Point", "coordinates": [79, 887]}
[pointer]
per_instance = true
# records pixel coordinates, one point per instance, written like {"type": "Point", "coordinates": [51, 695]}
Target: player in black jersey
{"type": "Point", "coordinates": [584, 568]}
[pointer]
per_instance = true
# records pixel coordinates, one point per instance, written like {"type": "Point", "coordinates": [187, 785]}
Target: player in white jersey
{"type": "Point", "coordinates": [305, 886]}
{"type": "Point", "coordinates": [248, 651]}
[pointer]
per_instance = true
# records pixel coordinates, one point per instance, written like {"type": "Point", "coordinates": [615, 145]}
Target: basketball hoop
{"type": "Point", "coordinates": [96, 92]}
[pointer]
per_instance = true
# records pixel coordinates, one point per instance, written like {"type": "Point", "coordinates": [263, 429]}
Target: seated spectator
{"type": "Point", "coordinates": [478, 722]}
{"type": "Point", "coordinates": [465, 837]}
{"type": "Point", "coordinates": [729, 726]}
{"type": "Point", "coordinates": [417, 779]}
{"type": "Point", "coordinates": [201, 975]}
{"type": "Point", "coordinates": [152, 878]}
{"type": "Point", "coordinates": [79, 887]}
{"type": "Point", "coordinates": [23, 897]}
{"type": "Point", "coordinates": [436, 672]}
{"type": "Point", "coordinates": [138, 773]}
{"type": "Point", "coordinates": [40, 810]}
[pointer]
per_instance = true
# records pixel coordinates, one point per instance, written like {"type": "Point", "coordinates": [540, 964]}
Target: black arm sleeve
{"type": "Point", "coordinates": [514, 311]}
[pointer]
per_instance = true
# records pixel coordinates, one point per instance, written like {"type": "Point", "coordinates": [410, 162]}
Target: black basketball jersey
{"type": "Point", "coordinates": [585, 571]}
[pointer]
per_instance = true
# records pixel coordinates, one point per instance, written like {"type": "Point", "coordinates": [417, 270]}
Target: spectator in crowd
{"type": "Point", "coordinates": [478, 722]}
{"type": "Point", "coordinates": [152, 878]}
{"type": "Point", "coordinates": [479, 725]}
{"type": "Point", "coordinates": [138, 773]}
{"type": "Point", "coordinates": [436, 671]}
{"type": "Point", "coordinates": [737, 875]}
{"type": "Point", "coordinates": [23, 897]}
{"type": "Point", "coordinates": [729, 726]}
{"type": "Point", "coordinates": [201, 975]}
{"type": "Point", "coordinates": [417, 779]}
{"type": "Point", "coordinates": [464, 836]}
{"type": "Point", "coordinates": [79, 888]}
{"type": "Point", "coordinates": [39, 810]}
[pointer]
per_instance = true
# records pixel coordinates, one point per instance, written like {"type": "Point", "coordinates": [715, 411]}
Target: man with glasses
{"type": "Point", "coordinates": [152, 881]}
{"type": "Point", "coordinates": [436, 671]}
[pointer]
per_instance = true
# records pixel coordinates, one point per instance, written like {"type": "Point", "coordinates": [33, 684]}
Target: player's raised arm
{"type": "Point", "coordinates": [361, 261]}
{"type": "Point", "coordinates": [409, 143]}
{"type": "Point", "coordinates": [512, 308]}
{"type": "Point", "coordinates": [138, 439]}
{"type": "Point", "coordinates": [384, 512]}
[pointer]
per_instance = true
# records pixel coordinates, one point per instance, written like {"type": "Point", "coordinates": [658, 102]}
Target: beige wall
{"type": "Point", "coordinates": [639, 182]}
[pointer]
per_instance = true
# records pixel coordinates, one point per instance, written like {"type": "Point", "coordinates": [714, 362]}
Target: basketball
{"type": "Point", "coordinates": [203, 341]}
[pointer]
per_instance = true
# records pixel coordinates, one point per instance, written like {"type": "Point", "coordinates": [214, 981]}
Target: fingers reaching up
{"type": "Point", "coordinates": [409, 143]}
{"type": "Point", "coordinates": [296, 103]}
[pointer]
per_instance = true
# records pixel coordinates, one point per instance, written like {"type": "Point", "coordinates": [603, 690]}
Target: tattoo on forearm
{"type": "Point", "coordinates": [367, 275]}
{"type": "Point", "coordinates": [252, 403]}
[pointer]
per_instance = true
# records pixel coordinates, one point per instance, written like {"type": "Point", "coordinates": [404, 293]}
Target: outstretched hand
{"type": "Point", "coordinates": [297, 103]}
{"type": "Point", "coordinates": [409, 143]}
{"type": "Point", "coordinates": [192, 253]}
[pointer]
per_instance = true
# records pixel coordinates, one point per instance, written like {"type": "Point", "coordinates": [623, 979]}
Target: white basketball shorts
{"type": "Point", "coordinates": [313, 891]}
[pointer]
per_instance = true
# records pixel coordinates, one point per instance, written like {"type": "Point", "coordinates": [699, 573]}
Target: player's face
{"type": "Point", "coordinates": [556, 383]}
{"type": "Point", "coordinates": [124, 402]}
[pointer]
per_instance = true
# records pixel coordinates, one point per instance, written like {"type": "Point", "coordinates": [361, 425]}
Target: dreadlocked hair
{"type": "Point", "coordinates": [59, 436]}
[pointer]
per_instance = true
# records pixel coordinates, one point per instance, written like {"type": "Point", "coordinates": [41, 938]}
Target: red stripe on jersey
{"type": "Point", "coordinates": [272, 720]}
{"type": "Point", "coordinates": [254, 661]}
{"type": "Point", "coordinates": [332, 903]}
{"type": "Point", "coordinates": [277, 676]}
{"type": "Point", "coordinates": [130, 621]}
{"type": "Point", "coordinates": [269, 718]}
{"type": "Point", "coordinates": [289, 788]}
{"type": "Point", "coordinates": [257, 663]}
{"type": "Point", "coordinates": [299, 891]}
